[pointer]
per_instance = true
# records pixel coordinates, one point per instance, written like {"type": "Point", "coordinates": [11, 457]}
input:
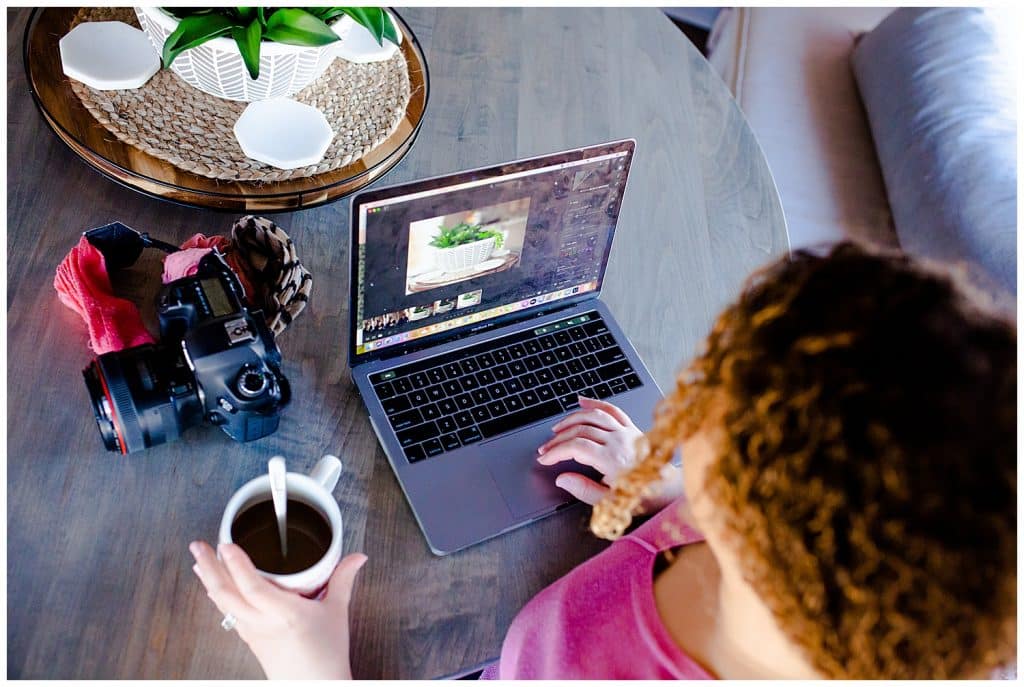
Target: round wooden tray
{"type": "Point", "coordinates": [129, 166]}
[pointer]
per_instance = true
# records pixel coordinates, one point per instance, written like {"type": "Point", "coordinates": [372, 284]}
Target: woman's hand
{"type": "Point", "coordinates": [602, 436]}
{"type": "Point", "coordinates": [291, 636]}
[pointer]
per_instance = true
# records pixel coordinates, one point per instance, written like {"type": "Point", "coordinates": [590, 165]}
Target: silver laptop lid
{"type": "Point", "coordinates": [442, 258]}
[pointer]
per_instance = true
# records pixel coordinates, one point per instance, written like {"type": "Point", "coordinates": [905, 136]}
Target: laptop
{"type": "Point", "coordinates": [475, 323]}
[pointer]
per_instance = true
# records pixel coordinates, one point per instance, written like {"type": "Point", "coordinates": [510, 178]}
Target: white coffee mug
{"type": "Point", "coordinates": [315, 491]}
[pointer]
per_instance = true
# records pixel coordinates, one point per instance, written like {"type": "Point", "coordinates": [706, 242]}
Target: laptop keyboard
{"type": "Point", "coordinates": [451, 400]}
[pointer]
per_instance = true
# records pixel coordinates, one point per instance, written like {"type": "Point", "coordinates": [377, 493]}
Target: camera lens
{"type": "Point", "coordinates": [135, 398]}
{"type": "Point", "coordinates": [101, 408]}
{"type": "Point", "coordinates": [112, 405]}
{"type": "Point", "coordinates": [252, 383]}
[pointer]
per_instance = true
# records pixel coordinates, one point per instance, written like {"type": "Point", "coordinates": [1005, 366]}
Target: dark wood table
{"type": "Point", "coordinates": [98, 580]}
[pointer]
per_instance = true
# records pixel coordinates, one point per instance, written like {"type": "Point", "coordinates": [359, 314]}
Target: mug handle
{"type": "Point", "coordinates": [327, 472]}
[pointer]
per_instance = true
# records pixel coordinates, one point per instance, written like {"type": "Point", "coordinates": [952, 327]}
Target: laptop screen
{"type": "Point", "coordinates": [442, 256]}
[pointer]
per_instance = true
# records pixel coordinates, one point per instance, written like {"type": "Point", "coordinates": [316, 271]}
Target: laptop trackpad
{"type": "Point", "coordinates": [527, 486]}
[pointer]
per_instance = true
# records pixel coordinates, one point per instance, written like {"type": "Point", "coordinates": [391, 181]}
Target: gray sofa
{"type": "Point", "coordinates": [892, 127]}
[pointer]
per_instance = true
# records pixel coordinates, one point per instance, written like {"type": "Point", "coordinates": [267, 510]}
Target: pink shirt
{"type": "Point", "coordinates": [600, 620]}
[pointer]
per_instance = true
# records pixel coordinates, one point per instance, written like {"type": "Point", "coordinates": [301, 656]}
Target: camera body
{"type": "Point", "coordinates": [216, 362]}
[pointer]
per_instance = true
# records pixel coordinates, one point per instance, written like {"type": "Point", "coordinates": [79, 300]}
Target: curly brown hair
{"type": "Point", "coordinates": [863, 410]}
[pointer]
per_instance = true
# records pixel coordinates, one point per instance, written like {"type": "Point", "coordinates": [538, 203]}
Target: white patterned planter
{"type": "Point", "coordinates": [465, 256]}
{"type": "Point", "coordinates": [216, 66]}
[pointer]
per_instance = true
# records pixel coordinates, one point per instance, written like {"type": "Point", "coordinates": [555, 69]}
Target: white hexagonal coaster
{"type": "Point", "coordinates": [108, 55]}
{"type": "Point", "coordinates": [283, 133]}
{"type": "Point", "coordinates": [360, 45]}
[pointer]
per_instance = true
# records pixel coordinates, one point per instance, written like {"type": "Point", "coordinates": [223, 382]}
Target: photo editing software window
{"type": "Point", "coordinates": [438, 260]}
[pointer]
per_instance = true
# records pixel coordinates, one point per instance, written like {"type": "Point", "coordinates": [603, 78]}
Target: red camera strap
{"type": "Point", "coordinates": [261, 254]}
{"type": "Point", "coordinates": [84, 286]}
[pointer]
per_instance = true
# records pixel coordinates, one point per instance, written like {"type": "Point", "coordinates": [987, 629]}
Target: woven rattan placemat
{"type": "Point", "coordinates": [192, 130]}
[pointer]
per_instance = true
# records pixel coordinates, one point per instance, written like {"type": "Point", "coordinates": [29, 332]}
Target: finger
{"type": "Point", "coordinates": [259, 592]}
{"type": "Point", "coordinates": [581, 449]}
{"type": "Point", "coordinates": [594, 416]}
{"type": "Point", "coordinates": [613, 410]}
{"type": "Point", "coordinates": [595, 435]}
{"type": "Point", "coordinates": [218, 583]}
{"type": "Point", "coordinates": [582, 487]}
{"type": "Point", "coordinates": [339, 587]}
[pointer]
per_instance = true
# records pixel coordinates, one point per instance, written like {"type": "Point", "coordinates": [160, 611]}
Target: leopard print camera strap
{"type": "Point", "coordinates": [284, 283]}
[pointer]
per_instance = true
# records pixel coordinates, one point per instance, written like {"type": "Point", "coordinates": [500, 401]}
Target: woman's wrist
{"type": "Point", "coordinates": [668, 489]}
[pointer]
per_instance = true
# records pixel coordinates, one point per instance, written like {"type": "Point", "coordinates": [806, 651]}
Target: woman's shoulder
{"type": "Point", "coordinates": [603, 603]}
{"type": "Point", "coordinates": [594, 587]}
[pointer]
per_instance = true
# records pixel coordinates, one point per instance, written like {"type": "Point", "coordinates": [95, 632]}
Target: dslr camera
{"type": "Point", "coordinates": [216, 362]}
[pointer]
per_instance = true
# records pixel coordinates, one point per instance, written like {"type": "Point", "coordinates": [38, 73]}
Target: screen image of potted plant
{"type": "Point", "coordinates": [443, 306]}
{"type": "Point", "coordinates": [464, 246]}
{"type": "Point", "coordinates": [254, 53]}
{"type": "Point", "coordinates": [418, 312]}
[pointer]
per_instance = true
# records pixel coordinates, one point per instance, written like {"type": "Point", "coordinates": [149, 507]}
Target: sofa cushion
{"type": "Point", "coordinates": [939, 91]}
{"type": "Point", "coordinates": [789, 70]}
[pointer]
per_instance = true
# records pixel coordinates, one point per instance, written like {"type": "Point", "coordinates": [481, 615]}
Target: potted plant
{"type": "Point", "coordinates": [464, 246]}
{"type": "Point", "coordinates": [254, 53]}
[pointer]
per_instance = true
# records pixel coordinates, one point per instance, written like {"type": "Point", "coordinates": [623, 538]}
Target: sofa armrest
{"type": "Point", "coordinates": [789, 70]}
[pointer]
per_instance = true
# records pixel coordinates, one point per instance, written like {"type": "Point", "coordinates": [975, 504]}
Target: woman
{"type": "Point", "coordinates": [849, 511]}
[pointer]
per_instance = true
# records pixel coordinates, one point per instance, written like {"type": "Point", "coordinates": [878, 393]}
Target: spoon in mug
{"type": "Point", "coordinates": [279, 491]}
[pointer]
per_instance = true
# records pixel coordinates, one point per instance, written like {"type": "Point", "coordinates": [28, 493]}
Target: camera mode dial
{"type": "Point", "coordinates": [251, 383]}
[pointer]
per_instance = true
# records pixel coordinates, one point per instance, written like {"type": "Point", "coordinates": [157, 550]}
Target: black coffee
{"type": "Point", "coordinates": [309, 537]}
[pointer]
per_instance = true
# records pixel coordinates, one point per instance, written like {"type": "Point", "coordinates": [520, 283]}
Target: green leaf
{"type": "Point", "coordinates": [261, 15]}
{"type": "Point", "coordinates": [248, 40]}
{"type": "Point", "coordinates": [370, 17]}
{"type": "Point", "coordinates": [182, 12]}
{"type": "Point", "coordinates": [462, 233]}
{"type": "Point", "coordinates": [329, 14]}
{"type": "Point", "coordinates": [246, 14]}
{"type": "Point", "coordinates": [193, 31]}
{"type": "Point", "coordinates": [298, 27]}
{"type": "Point", "coordinates": [391, 31]}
